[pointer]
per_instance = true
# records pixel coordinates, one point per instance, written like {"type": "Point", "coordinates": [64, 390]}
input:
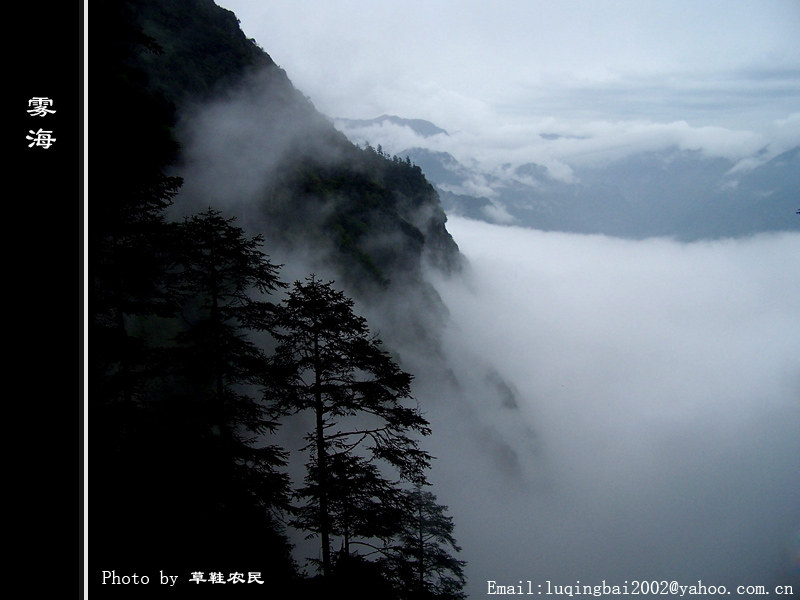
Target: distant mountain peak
{"type": "Point", "coordinates": [418, 126]}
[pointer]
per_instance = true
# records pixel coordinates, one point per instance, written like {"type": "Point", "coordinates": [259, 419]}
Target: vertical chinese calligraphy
{"type": "Point", "coordinates": [39, 107]}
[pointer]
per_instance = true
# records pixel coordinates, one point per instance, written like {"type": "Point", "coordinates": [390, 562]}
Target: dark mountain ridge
{"type": "Point", "coordinates": [208, 64]}
{"type": "Point", "coordinates": [226, 186]}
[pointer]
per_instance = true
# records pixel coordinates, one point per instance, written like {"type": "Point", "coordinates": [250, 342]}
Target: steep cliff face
{"type": "Point", "coordinates": [165, 367]}
{"type": "Point", "coordinates": [254, 146]}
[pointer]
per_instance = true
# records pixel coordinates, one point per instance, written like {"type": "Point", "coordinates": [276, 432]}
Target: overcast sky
{"type": "Point", "coordinates": [722, 74]}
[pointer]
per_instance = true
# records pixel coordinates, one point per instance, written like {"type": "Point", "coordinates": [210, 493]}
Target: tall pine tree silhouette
{"type": "Point", "coordinates": [226, 279]}
{"type": "Point", "coordinates": [365, 421]}
{"type": "Point", "coordinates": [422, 562]}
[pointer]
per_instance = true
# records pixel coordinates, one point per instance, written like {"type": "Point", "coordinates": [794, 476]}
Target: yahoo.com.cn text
{"type": "Point", "coordinates": [632, 588]}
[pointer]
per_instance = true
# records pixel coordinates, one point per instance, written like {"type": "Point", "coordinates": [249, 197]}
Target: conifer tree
{"type": "Point", "coordinates": [365, 508]}
{"type": "Point", "coordinates": [421, 563]}
{"type": "Point", "coordinates": [222, 272]}
{"type": "Point", "coordinates": [226, 278]}
{"type": "Point", "coordinates": [364, 423]}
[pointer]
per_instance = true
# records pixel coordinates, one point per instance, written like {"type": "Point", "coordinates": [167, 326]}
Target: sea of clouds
{"type": "Point", "coordinates": [625, 410]}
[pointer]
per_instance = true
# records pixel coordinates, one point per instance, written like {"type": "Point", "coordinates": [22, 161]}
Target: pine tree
{"type": "Point", "coordinates": [365, 508]}
{"type": "Point", "coordinates": [421, 563]}
{"type": "Point", "coordinates": [222, 272]}
{"type": "Point", "coordinates": [331, 366]}
{"type": "Point", "coordinates": [226, 278]}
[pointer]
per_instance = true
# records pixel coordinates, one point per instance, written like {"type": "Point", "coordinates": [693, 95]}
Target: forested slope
{"type": "Point", "coordinates": [197, 352]}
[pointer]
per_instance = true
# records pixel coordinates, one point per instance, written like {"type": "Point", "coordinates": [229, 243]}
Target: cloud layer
{"type": "Point", "coordinates": [475, 64]}
{"type": "Point", "coordinates": [561, 145]}
{"type": "Point", "coordinates": [613, 410]}
{"type": "Point", "coordinates": [626, 410]}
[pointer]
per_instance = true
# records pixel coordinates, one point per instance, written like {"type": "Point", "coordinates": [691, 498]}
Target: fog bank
{"type": "Point", "coordinates": [620, 410]}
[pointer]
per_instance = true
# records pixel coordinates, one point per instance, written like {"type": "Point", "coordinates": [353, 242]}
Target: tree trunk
{"type": "Point", "coordinates": [321, 466]}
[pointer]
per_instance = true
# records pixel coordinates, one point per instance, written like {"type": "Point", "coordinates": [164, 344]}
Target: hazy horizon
{"type": "Point", "coordinates": [615, 76]}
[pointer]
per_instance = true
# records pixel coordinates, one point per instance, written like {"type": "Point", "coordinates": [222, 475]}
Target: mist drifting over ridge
{"type": "Point", "coordinates": [603, 409]}
{"type": "Point", "coordinates": [656, 404]}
